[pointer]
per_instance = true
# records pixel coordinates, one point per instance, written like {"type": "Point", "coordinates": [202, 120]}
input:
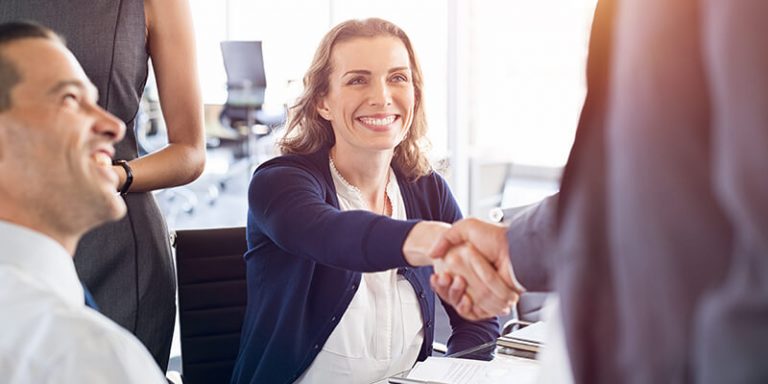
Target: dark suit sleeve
{"type": "Point", "coordinates": [733, 321]}
{"type": "Point", "coordinates": [288, 206]}
{"type": "Point", "coordinates": [531, 242]}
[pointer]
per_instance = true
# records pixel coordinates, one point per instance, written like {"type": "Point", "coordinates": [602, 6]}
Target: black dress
{"type": "Point", "coordinates": [127, 264]}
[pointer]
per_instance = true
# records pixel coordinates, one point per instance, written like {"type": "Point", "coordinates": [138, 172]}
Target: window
{"type": "Point", "coordinates": [520, 65]}
{"type": "Point", "coordinates": [527, 78]}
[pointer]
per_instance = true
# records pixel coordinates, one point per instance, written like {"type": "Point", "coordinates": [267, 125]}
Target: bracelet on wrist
{"type": "Point", "coordinates": [128, 176]}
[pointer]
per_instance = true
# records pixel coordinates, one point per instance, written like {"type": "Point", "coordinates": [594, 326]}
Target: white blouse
{"type": "Point", "coordinates": [381, 332]}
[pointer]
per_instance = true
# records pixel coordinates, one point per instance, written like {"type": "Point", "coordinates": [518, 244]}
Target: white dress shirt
{"type": "Point", "coordinates": [381, 332]}
{"type": "Point", "coordinates": [47, 334]}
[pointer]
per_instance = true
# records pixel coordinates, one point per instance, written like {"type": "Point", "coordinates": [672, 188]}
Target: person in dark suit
{"type": "Point", "coordinates": [660, 230]}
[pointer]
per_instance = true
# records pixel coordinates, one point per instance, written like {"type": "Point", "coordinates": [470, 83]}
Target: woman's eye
{"type": "Point", "coordinates": [400, 78]}
{"type": "Point", "coordinates": [356, 80]}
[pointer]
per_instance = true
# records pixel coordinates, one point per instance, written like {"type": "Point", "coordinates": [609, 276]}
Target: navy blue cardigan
{"type": "Point", "coordinates": [305, 259]}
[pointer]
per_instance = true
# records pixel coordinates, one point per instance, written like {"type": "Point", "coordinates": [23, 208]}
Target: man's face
{"type": "Point", "coordinates": [56, 143]}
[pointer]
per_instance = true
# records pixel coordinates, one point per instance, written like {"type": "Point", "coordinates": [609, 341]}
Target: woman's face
{"type": "Point", "coordinates": [370, 96]}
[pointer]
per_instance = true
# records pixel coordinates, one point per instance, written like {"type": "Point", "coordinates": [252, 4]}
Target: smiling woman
{"type": "Point", "coordinates": [360, 48]}
{"type": "Point", "coordinates": [369, 103]}
{"type": "Point", "coordinates": [345, 216]}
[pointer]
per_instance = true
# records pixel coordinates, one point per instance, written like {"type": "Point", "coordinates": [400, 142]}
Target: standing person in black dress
{"type": "Point", "coordinates": [127, 264]}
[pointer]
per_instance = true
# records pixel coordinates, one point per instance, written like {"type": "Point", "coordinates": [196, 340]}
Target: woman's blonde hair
{"type": "Point", "coordinates": [307, 131]}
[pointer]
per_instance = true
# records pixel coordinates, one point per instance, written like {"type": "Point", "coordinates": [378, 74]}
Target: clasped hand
{"type": "Point", "coordinates": [473, 272]}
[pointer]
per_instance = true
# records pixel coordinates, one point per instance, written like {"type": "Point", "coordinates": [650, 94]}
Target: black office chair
{"type": "Point", "coordinates": [212, 298]}
{"type": "Point", "coordinates": [246, 88]}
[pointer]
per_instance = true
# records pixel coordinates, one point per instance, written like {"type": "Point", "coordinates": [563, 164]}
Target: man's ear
{"type": "Point", "coordinates": [323, 110]}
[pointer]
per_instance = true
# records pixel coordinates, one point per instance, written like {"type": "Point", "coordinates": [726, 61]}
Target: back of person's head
{"type": "Point", "coordinates": [307, 131]}
{"type": "Point", "coordinates": [9, 33]}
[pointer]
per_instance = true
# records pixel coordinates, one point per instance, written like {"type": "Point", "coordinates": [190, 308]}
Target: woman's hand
{"type": "Point", "coordinates": [421, 240]}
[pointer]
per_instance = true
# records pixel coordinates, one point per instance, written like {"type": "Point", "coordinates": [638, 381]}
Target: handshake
{"type": "Point", "coordinates": [473, 272]}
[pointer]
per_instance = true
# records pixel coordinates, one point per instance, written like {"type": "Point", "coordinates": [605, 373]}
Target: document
{"type": "Point", "coordinates": [529, 338]}
{"type": "Point", "coordinates": [502, 370]}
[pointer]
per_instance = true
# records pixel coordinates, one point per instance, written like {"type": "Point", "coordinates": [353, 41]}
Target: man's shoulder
{"type": "Point", "coordinates": [44, 334]}
{"type": "Point", "coordinates": [79, 346]}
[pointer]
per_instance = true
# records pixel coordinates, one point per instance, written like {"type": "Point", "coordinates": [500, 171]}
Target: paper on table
{"type": "Point", "coordinates": [536, 333]}
{"type": "Point", "coordinates": [530, 338]}
{"type": "Point", "coordinates": [464, 371]}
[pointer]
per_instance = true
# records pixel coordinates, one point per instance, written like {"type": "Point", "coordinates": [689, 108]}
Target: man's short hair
{"type": "Point", "coordinates": [9, 74]}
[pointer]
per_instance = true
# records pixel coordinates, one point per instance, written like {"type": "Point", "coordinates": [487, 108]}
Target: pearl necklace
{"type": "Point", "coordinates": [385, 198]}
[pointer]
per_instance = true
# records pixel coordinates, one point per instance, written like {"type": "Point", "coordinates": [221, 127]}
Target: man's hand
{"type": "Point", "coordinates": [473, 270]}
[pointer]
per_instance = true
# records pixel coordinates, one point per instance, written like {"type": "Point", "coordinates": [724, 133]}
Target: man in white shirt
{"type": "Point", "coordinates": [56, 183]}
